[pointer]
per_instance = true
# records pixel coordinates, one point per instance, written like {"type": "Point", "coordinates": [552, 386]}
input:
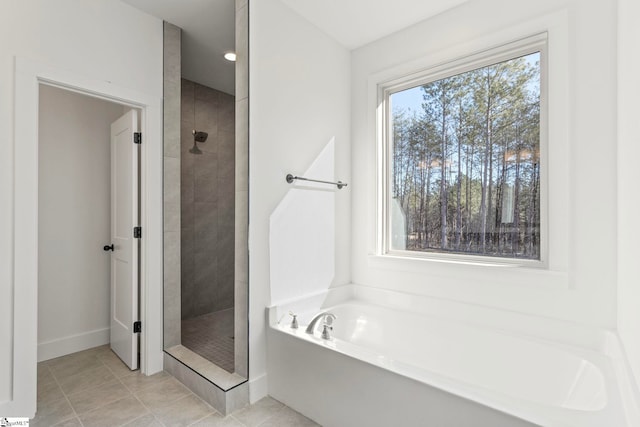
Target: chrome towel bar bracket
{"type": "Point", "coordinates": [290, 178]}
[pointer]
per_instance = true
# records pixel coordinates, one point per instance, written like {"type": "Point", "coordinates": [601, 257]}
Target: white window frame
{"type": "Point", "coordinates": [512, 50]}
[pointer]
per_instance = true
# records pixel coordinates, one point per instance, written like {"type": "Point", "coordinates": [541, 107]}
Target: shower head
{"type": "Point", "coordinates": [200, 136]}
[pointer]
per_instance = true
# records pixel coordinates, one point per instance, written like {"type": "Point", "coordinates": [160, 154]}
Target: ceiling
{"type": "Point", "coordinates": [208, 27]}
{"type": "Point", "coordinates": [354, 23]}
{"type": "Point", "coordinates": [208, 31]}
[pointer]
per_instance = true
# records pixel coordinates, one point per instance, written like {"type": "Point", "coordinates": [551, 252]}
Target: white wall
{"type": "Point", "coordinates": [628, 179]}
{"type": "Point", "coordinates": [302, 234]}
{"type": "Point", "coordinates": [299, 100]}
{"type": "Point", "coordinates": [580, 284]}
{"type": "Point", "coordinates": [102, 40]}
{"type": "Point", "coordinates": [74, 205]}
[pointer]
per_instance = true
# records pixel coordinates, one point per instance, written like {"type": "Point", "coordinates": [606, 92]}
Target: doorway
{"type": "Point", "coordinates": [79, 267]}
{"type": "Point", "coordinates": [29, 75]}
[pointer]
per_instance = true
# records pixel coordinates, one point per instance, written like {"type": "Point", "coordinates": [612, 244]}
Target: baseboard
{"type": "Point", "coordinates": [73, 343]}
{"type": "Point", "coordinates": [258, 388]}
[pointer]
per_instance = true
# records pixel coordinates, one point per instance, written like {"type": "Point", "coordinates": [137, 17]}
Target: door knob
{"type": "Point", "coordinates": [108, 247]}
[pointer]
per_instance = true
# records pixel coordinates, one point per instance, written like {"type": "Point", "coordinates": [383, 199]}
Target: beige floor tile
{"type": "Point", "coordinates": [69, 358]}
{"type": "Point", "coordinates": [287, 417]}
{"type": "Point", "coordinates": [86, 379]}
{"type": "Point", "coordinates": [161, 394]}
{"type": "Point", "coordinates": [44, 374]}
{"type": "Point", "coordinates": [114, 414]}
{"type": "Point", "coordinates": [116, 365]}
{"type": "Point", "coordinates": [88, 400]}
{"type": "Point", "coordinates": [259, 412]}
{"type": "Point", "coordinates": [145, 421]}
{"type": "Point", "coordinates": [73, 422]}
{"type": "Point", "coordinates": [137, 381]}
{"type": "Point", "coordinates": [100, 350]}
{"type": "Point", "coordinates": [217, 420]}
{"type": "Point", "coordinates": [51, 413]}
{"type": "Point", "coordinates": [49, 392]}
{"type": "Point", "coordinates": [184, 412]}
{"type": "Point", "coordinates": [73, 364]}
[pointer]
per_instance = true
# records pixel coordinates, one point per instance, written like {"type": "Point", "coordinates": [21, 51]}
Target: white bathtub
{"type": "Point", "coordinates": [423, 368]}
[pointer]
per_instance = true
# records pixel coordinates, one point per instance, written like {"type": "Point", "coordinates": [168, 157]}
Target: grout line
{"type": "Point", "coordinates": [140, 416]}
{"type": "Point", "coordinates": [68, 419]}
{"type": "Point", "coordinates": [112, 371]}
{"type": "Point", "coordinates": [145, 386]}
{"type": "Point", "coordinates": [102, 406]}
{"type": "Point", "coordinates": [92, 387]}
{"type": "Point", "coordinates": [192, 394]}
{"type": "Point", "coordinates": [67, 399]}
{"type": "Point", "coordinates": [200, 419]}
{"type": "Point", "coordinates": [215, 411]}
{"type": "Point", "coordinates": [238, 421]}
{"type": "Point", "coordinates": [66, 396]}
{"type": "Point", "coordinates": [149, 411]}
{"type": "Point", "coordinates": [125, 386]}
{"type": "Point", "coordinates": [273, 414]}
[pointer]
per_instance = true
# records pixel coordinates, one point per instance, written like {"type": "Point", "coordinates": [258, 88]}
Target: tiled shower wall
{"type": "Point", "coordinates": [207, 184]}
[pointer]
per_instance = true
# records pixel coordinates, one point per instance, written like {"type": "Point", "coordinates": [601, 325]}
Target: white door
{"type": "Point", "coordinates": [124, 255]}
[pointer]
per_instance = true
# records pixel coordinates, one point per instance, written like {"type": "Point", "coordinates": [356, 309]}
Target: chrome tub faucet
{"type": "Point", "coordinates": [326, 319]}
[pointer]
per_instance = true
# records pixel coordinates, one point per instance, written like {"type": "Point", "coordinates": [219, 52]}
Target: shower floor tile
{"type": "Point", "coordinates": [211, 336]}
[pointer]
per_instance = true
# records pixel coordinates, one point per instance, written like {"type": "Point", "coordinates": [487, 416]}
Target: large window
{"type": "Point", "coordinates": [463, 159]}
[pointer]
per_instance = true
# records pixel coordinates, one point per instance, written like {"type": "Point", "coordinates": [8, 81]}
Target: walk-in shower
{"type": "Point", "coordinates": [205, 233]}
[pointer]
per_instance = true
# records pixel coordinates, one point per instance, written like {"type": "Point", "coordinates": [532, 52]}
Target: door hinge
{"type": "Point", "coordinates": [137, 327]}
{"type": "Point", "coordinates": [137, 232]}
{"type": "Point", "coordinates": [137, 137]}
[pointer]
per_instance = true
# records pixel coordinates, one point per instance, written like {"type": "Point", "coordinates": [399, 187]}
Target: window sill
{"type": "Point", "coordinates": [472, 271]}
{"type": "Point", "coordinates": [461, 259]}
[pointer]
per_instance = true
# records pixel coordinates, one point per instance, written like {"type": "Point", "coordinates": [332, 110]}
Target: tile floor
{"type": "Point", "coordinates": [93, 388]}
{"type": "Point", "coordinates": [211, 336]}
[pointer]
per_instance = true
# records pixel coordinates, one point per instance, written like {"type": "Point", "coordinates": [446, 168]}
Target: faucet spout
{"type": "Point", "coordinates": [320, 317]}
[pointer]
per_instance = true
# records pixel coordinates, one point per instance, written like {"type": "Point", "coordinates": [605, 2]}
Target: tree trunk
{"type": "Point", "coordinates": [459, 198]}
{"type": "Point", "coordinates": [443, 178]}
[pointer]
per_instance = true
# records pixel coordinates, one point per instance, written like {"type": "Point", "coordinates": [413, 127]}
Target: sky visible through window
{"type": "Point", "coordinates": [411, 99]}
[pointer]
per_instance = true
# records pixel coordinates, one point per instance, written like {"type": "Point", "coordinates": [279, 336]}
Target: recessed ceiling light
{"type": "Point", "coordinates": [230, 56]}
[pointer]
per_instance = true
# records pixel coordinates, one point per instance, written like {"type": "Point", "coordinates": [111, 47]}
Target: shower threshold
{"type": "Point", "coordinates": [210, 371]}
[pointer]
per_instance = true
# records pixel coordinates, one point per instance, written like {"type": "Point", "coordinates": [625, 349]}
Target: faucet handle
{"type": "Point", "coordinates": [294, 320]}
{"type": "Point", "coordinates": [325, 331]}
